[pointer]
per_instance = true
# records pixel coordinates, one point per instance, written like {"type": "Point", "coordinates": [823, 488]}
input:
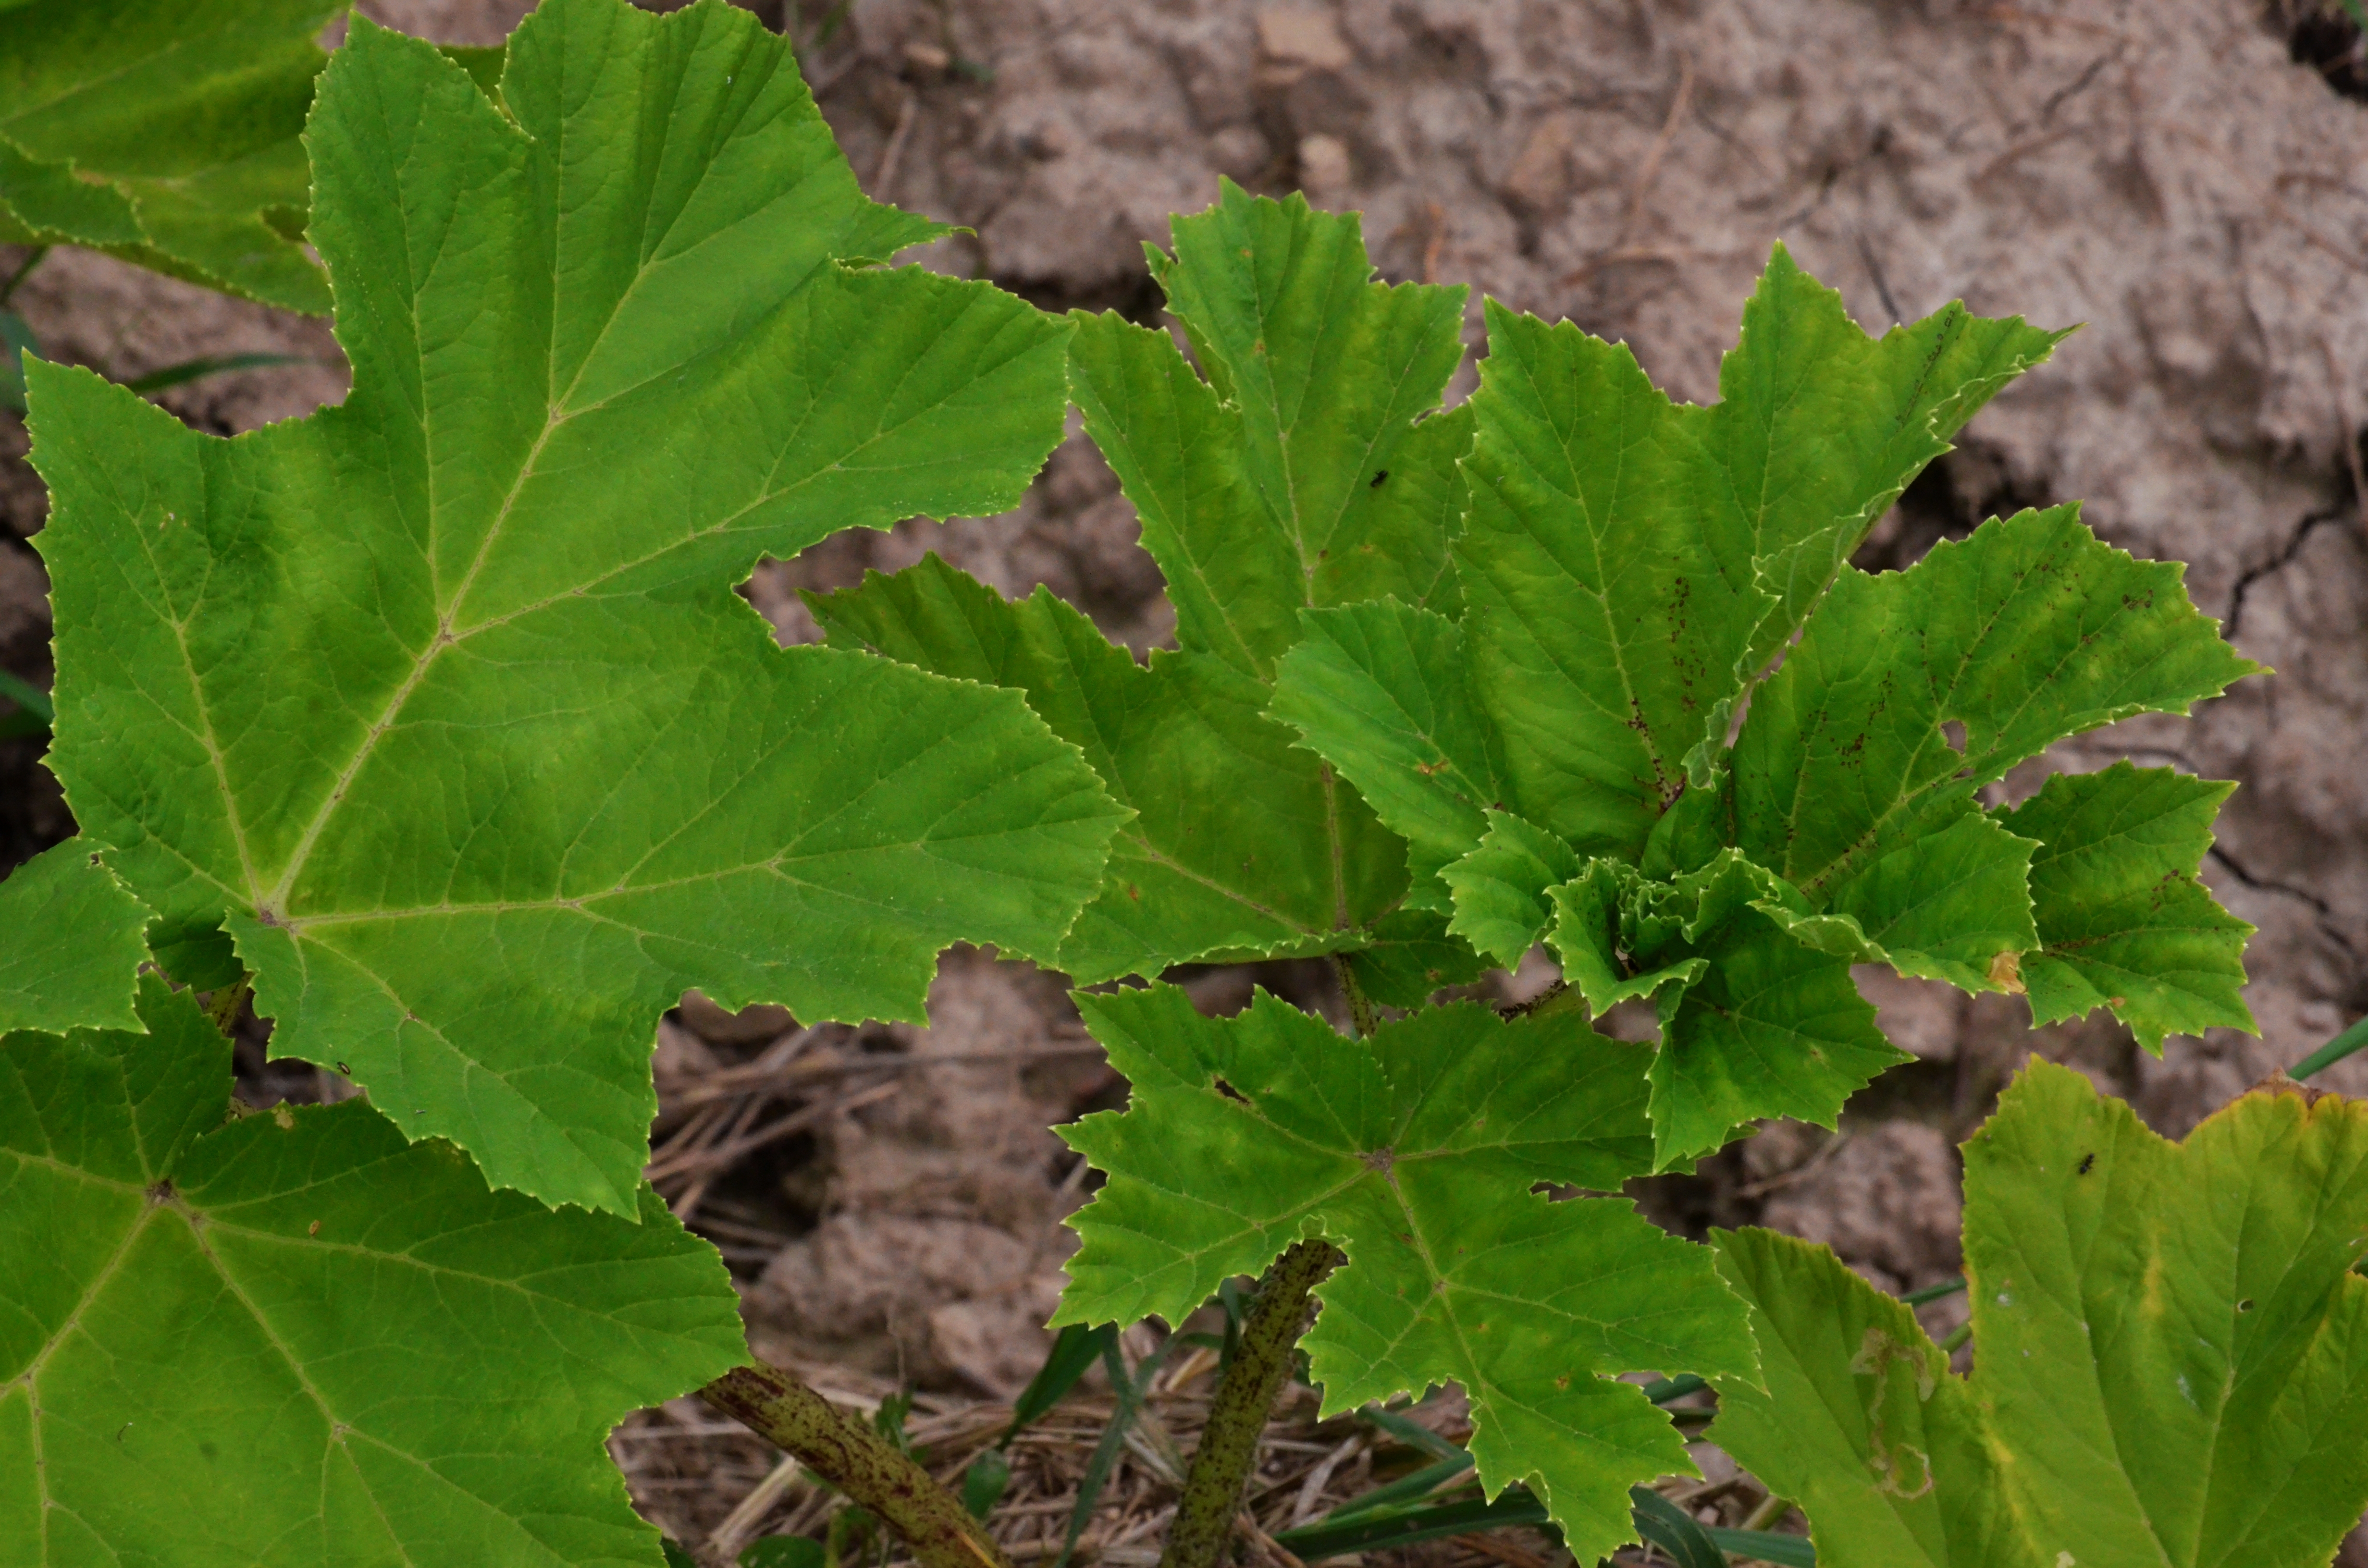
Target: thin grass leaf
{"type": "Point", "coordinates": [24, 271]}
{"type": "Point", "coordinates": [1765, 1546]}
{"type": "Point", "coordinates": [1130, 1392]}
{"type": "Point", "coordinates": [16, 342]}
{"type": "Point", "coordinates": [888, 1419]}
{"type": "Point", "coordinates": [778, 1551]}
{"type": "Point", "coordinates": [34, 714]}
{"type": "Point", "coordinates": [1370, 1532]}
{"type": "Point", "coordinates": [1075, 1350]}
{"type": "Point", "coordinates": [28, 697]}
{"type": "Point", "coordinates": [1660, 1390]}
{"type": "Point", "coordinates": [1413, 1434]}
{"type": "Point", "coordinates": [1366, 1531]}
{"type": "Point", "coordinates": [1229, 1296]}
{"type": "Point", "coordinates": [1405, 1489]}
{"type": "Point", "coordinates": [2334, 1050]}
{"type": "Point", "coordinates": [1675, 1531]}
{"type": "Point", "coordinates": [206, 365]}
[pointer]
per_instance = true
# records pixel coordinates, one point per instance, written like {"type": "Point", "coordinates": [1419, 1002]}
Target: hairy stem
{"type": "Point", "coordinates": [1212, 1490]}
{"type": "Point", "coordinates": [848, 1454]}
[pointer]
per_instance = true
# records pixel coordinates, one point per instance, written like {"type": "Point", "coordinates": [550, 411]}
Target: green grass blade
{"type": "Point", "coordinates": [1660, 1390]}
{"type": "Point", "coordinates": [1130, 1391]}
{"type": "Point", "coordinates": [985, 1482]}
{"type": "Point", "coordinates": [1370, 1532]}
{"type": "Point", "coordinates": [1405, 1489]}
{"type": "Point", "coordinates": [1674, 1530]}
{"type": "Point", "coordinates": [1413, 1434]}
{"type": "Point", "coordinates": [16, 342]}
{"type": "Point", "coordinates": [2335, 1050]}
{"type": "Point", "coordinates": [206, 365]}
{"type": "Point", "coordinates": [1076, 1349]}
{"type": "Point", "coordinates": [28, 697]}
{"type": "Point", "coordinates": [1765, 1546]}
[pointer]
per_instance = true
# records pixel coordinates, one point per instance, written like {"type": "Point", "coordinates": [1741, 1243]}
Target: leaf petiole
{"type": "Point", "coordinates": [860, 1460]}
{"type": "Point", "coordinates": [1213, 1488]}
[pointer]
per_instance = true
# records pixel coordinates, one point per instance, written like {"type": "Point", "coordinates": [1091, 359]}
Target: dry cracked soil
{"type": "Point", "coordinates": [2185, 177]}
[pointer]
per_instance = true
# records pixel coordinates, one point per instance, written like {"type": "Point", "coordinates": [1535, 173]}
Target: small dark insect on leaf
{"type": "Point", "coordinates": [2085, 1161]}
{"type": "Point", "coordinates": [1384, 475]}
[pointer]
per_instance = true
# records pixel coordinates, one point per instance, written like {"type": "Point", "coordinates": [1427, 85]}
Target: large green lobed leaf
{"type": "Point", "coordinates": [1310, 469]}
{"type": "Point", "coordinates": [438, 704]}
{"type": "Point", "coordinates": [1416, 1152]}
{"type": "Point", "coordinates": [296, 1340]}
{"type": "Point", "coordinates": [74, 944]}
{"type": "Point", "coordinates": [168, 135]}
{"type": "Point", "coordinates": [1327, 372]}
{"type": "Point", "coordinates": [1631, 562]}
{"type": "Point", "coordinates": [1223, 801]}
{"type": "Point", "coordinates": [1846, 768]}
{"type": "Point", "coordinates": [2123, 923]}
{"type": "Point", "coordinates": [1630, 567]}
{"type": "Point", "coordinates": [2170, 1351]}
{"type": "Point", "coordinates": [1380, 688]}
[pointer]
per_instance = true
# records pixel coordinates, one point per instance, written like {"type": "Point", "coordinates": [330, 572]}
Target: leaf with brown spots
{"type": "Point", "coordinates": [1850, 777]}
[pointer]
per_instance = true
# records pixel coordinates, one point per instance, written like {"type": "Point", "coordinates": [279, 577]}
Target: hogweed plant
{"type": "Point", "coordinates": [433, 718]}
{"type": "Point", "coordinates": [1571, 663]}
{"type": "Point", "coordinates": [431, 722]}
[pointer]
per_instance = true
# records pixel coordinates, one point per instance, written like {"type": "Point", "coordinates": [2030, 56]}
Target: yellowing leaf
{"type": "Point", "coordinates": [2170, 1351]}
